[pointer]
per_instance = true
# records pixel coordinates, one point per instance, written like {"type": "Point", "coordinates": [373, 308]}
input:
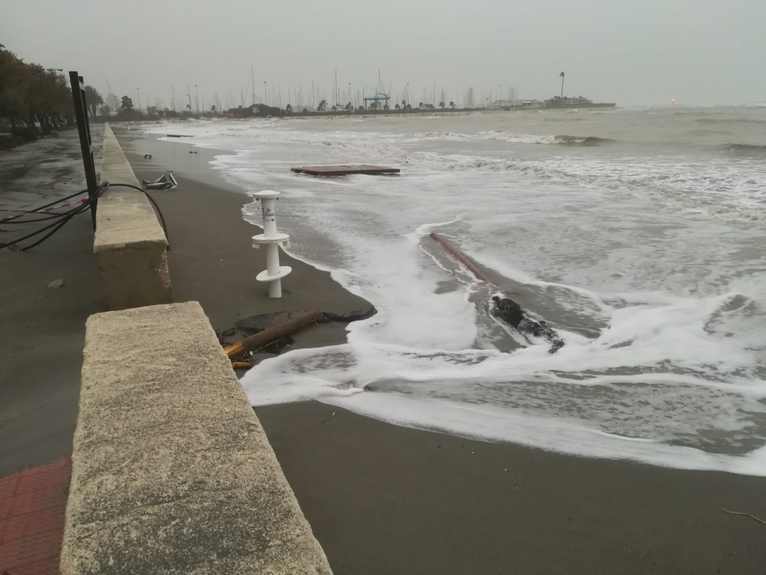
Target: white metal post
{"type": "Point", "coordinates": [272, 239]}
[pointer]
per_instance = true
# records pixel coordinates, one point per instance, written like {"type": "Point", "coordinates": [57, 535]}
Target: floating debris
{"type": "Point", "coordinates": [166, 181]}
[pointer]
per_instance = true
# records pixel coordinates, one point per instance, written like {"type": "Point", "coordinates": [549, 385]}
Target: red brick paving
{"type": "Point", "coordinates": [32, 506]}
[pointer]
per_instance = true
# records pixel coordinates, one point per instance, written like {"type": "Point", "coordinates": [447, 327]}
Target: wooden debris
{"type": "Point", "coordinates": [241, 364]}
{"type": "Point", "coordinates": [460, 256]}
{"type": "Point", "coordinates": [269, 334]}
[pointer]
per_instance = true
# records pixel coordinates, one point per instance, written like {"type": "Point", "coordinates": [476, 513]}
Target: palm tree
{"type": "Point", "coordinates": [127, 103]}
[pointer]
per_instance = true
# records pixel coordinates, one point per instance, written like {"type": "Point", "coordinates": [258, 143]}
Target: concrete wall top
{"type": "Point", "coordinates": [124, 217]}
{"type": "Point", "coordinates": [172, 471]}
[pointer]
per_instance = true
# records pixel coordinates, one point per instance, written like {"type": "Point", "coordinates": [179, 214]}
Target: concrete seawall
{"type": "Point", "coordinates": [130, 244]}
{"type": "Point", "coordinates": [172, 471]}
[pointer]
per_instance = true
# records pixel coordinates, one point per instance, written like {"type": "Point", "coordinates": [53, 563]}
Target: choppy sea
{"type": "Point", "coordinates": [638, 234]}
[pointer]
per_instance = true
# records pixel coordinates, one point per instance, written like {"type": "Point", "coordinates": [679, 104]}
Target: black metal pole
{"type": "Point", "coordinates": [86, 148]}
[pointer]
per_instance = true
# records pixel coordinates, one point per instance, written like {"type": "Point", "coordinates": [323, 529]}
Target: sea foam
{"type": "Point", "coordinates": [647, 262]}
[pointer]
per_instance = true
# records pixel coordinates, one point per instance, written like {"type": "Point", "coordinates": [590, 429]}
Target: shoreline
{"type": "Point", "coordinates": [387, 499]}
{"type": "Point", "coordinates": [211, 258]}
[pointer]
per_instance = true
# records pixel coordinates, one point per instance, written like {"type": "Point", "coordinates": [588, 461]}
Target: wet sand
{"type": "Point", "coordinates": [388, 500]}
{"type": "Point", "coordinates": [384, 499]}
{"type": "Point", "coordinates": [211, 257]}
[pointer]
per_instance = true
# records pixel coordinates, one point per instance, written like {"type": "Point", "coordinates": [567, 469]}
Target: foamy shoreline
{"type": "Point", "coordinates": [387, 499]}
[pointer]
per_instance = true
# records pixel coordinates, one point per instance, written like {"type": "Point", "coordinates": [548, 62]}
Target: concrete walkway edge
{"type": "Point", "coordinates": [172, 471]}
{"type": "Point", "coordinates": [129, 243]}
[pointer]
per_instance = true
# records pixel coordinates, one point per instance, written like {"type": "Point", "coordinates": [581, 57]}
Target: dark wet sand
{"type": "Point", "coordinates": [389, 500]}
{"type": "Point", "coordinates": [211, 258]}
{"type": "Point", "coordinates": [385, 499]}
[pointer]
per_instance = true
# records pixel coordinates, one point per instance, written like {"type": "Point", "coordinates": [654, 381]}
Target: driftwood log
{"type": "Point", "coordinates": [459, 256]}
{"type": "Point", "coordinates": [241, 364]}
{"type": "Point", "coordinates": [269, 334]}
{"type": "Point", "coordinates": [502, 307]}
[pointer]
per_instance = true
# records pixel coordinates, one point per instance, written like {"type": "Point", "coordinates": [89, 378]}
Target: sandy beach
{"type": "Point", "coordinates": [386, 499]}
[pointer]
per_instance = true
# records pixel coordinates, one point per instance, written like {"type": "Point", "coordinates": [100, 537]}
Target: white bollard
{"type": "Point", "coordinates": [272, 239]}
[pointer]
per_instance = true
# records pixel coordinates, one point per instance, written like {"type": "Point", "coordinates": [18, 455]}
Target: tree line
{"type": "Point", "coordinates": [35, 100]}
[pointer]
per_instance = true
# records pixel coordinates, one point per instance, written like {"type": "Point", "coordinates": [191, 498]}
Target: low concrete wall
{"type": "Point", "coordinates": [130, 245]}
{"type": "Point", "coordinates": [172, 471]}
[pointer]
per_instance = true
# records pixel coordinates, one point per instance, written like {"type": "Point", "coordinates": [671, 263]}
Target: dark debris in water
{"type": "Point", "coordinates": [254, 324]}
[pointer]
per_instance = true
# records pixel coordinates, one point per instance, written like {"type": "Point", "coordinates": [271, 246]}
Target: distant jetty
{"type": "Point", "coordinates": [558, 103]}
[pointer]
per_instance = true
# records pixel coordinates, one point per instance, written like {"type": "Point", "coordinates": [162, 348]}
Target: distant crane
{"type": "Point", "coordinates": [562, 83]}
{"type": "Point", "coordinates": [252, 82]}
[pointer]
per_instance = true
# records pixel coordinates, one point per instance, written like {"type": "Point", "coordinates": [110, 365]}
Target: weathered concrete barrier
{"type": "Point", "coordinates": [172, 471]}
{"type": "Point", "coordinates": [130, 245]}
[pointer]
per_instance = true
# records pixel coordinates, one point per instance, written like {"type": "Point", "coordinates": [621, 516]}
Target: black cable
{"type": "Point", "coordinates": [57, 228]}
{"type": "Point", "coordinates": [65, 218]}
{"type": "Point", "coordinates": [46, 218]}
{"type": "Point", "coordinates": [151, 199]}
{"type": "Point", "coordinates": [22, 212]}
{"type": "Point", "coordinates": [53, 203]}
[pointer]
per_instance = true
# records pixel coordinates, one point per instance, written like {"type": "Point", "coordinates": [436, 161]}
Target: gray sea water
{"type": "Point", "coordinates": [638, 234]}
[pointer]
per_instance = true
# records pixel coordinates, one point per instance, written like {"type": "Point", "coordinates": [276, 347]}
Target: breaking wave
{"type": "Point", "coordinates": [508, 137]}
{"type": "Point", "coordinates": [582, 140]}
{"type": "Point", "coordinates": [746, 149]}
{"type": "Point", "coordinates": [733, 121]}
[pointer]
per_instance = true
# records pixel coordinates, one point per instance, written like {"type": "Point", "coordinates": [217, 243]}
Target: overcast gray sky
{"type": "Point", "coordinates": [638, 52]}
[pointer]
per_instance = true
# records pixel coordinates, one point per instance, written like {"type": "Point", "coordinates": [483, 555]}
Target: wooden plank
{"type": "Point", "coordinates": [345, 170]}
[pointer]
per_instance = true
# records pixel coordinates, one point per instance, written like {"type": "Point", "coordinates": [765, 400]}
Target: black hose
{"type": "Point", "coordinates": [154, 203]}
{"type": "Point", "coordinates": [21, 212]}
{"type": "Point", "coordinates": [57, 224]}
{"type": "Point", "coordinates": [53, 203]}
{"type": "Point", "coordinates": [63, 217]}
{"type": "Point", "coordinates": [44, 219]}
{"type": "Point", "coordinates": [55, 229]}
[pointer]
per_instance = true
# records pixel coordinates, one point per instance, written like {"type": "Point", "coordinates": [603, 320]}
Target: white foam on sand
{"type": "Point", "coordinates": [662, 309]}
